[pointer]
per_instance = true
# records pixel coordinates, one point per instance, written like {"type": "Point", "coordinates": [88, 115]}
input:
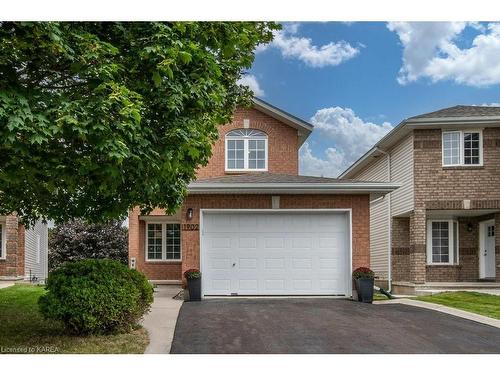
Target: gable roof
{"type": "Point", "coordinates": [265, 182]}
{"type": "Point", "coordinates": [304, 128]}
{"type": "Point", "coordinates": [457, 116]}
{"type": "Point", "coordinates": [461, 111]}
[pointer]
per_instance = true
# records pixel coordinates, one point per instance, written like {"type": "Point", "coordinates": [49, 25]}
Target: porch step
{"type": "Point", "coordinates": [439, 287]}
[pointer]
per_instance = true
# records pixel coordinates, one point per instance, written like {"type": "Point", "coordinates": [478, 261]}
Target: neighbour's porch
{"type": "Point", "coordinates": [452, 249]}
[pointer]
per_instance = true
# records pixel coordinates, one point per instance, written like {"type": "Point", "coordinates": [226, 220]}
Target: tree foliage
{"type": "Point", "coordinates": [96, 118]}
{"type": "Point", "coordinates": [77, 240]}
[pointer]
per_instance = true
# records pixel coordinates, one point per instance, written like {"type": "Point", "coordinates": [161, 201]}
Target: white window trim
{"type": "Point", "coordinates": [461, 149]}
{"type": "Point", "coordinates": [246, 152]}
{"type": "Point", "coordinates": [163, 243]}
{"type": "Point", "coordinates": [451, 244]}
{"type": "Point", "coordinates": [3, 255]}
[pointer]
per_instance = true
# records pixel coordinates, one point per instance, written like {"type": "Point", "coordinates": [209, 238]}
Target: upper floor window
{"type": "Point", "coordinates": [246, 150]}
{"type": "Point", "coordinates": [462, 148]}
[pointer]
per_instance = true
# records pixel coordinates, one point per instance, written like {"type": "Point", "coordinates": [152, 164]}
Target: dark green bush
{"type": "Point", "coordinates": [96, 296]}
{"type": "Point", "coordinates": [78, 240]}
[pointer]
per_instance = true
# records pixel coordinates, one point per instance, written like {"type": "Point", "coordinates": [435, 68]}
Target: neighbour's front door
{"type": "Point", "coordinates": [487, 250]}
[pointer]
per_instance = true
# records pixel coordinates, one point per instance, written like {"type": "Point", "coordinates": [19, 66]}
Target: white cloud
{"type": "Point", "coordinates": [350, 136]}
{"type": "Point", "coordinates": [251, 81]}
{"type": "Point", "coordinates": [303, 49]}
{"type": "Point", "coordinates": [430, 50]}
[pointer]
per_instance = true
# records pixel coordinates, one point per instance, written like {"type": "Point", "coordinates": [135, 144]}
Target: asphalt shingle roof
{"type": "Point", "coordinates": [461, 111]}
{"type": "Point", "coordinates": [265, 177]}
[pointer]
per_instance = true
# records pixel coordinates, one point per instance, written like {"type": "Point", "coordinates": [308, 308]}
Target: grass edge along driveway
{"type": "Point", "coordinates": [479, 303]}
{"type": "Point", "coordinates": [23, 329]}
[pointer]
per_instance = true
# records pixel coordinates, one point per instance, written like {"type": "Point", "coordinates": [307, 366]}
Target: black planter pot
{"type": "Point", "coordinates": [364, 287]}
{"type": "Point", "coordinates": [194, 286]}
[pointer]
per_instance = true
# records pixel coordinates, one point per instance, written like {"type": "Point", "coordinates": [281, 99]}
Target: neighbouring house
{"type": "Point", "coordinates": [23, 252]}
{"type": "Point", "coordinates": [252, 224]}
{"type": "Point", "coordinates": [437, 231]}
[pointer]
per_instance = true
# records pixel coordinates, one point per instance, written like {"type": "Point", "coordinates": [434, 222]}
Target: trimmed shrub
{"type": "Point", "coordinates": [77, 240]}
{"type": "Point", "coordinates": [96, 296]}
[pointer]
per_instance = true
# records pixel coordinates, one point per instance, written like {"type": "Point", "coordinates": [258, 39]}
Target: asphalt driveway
{"type": "Point", "coordinates": [324, 326]}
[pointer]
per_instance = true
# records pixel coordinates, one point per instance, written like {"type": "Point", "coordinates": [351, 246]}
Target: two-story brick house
{"type": "Point", "coordinates": [252, 224]}
{"type": "Point", "coordinates": [438, 229]}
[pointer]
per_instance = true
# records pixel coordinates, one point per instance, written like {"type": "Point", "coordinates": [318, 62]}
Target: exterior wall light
{"type": "Point", "coordinates": [189, 213]}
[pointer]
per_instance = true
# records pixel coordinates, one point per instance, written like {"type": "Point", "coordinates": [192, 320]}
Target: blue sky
{"type": "Point", "coordinates": [354, 81]}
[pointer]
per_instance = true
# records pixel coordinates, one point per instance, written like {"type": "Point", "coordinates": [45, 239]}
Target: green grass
{"type": "Point", "coordinates": [479, 303]}
{"type": "Point", "coordinates": [377, 296]}
{"type": "Point", "coordinates": [23, 328]}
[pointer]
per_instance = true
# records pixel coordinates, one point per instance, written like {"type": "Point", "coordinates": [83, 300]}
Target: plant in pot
{"type": "Point", "coordinates": [193, 277]}
{"type": "Point", "coordinates": [364, 281]}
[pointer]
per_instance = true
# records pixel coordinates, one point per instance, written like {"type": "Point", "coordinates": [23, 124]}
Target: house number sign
{"type": "Point", "coordinates": [190, 227]}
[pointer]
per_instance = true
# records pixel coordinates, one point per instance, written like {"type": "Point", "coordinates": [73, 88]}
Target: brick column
{"type": "Point", "coordinates": [11, 245]}
{"type": "Point", "coordinates": [417, 246]}
{"type": "Point", "coordinates": [133, 234]}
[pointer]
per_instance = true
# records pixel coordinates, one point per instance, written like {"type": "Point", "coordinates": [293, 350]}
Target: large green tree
{"type": "Point", "coordinates": [98, 117]}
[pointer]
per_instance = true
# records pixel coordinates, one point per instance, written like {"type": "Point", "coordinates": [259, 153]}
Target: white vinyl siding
{"type": "Point", "coordinates": [36, 252]}
{"type": "Point", "coordinates": [379, 217]}
{"type": "Point", "coordinates": [402, 199]}
{"type": "Point", "coordinates": [402, 173]}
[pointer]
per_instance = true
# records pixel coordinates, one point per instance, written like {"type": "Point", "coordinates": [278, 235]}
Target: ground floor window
{"type": "Point", "coordinates": [442, 242]}
{"type": "Point", "coordinates": [163, 241]}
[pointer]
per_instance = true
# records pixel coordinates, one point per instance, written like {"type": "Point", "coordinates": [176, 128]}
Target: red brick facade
{"type": "Point", "coordinates": [283, 144]}
{"type": "Point", "coordinates": [190, 240]}
{"type": "Point", "coordinates": [12, 265]}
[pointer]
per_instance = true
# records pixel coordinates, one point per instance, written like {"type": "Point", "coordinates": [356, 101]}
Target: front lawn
{"type": "Point", "coordinates": [23, 329]}
{"type": "Point", "coordinates": [479, 303]}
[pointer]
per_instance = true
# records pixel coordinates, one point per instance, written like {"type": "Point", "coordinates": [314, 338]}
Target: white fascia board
{"type": "Point", "coordinates": [455, 120]}
{"type": "Point", "coordinates": [293, 188]}
{"type": "Point", "coordinates": [302, 126]}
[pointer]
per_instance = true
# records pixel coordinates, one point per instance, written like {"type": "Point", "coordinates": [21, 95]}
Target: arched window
{"type": "Point", "coordinates": [246, 150]}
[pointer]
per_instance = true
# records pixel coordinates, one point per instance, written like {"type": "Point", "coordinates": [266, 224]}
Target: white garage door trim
{"type": "Point", "coordinates": [348, 211]}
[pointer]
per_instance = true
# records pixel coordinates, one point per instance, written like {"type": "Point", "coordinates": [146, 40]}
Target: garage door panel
{"type": "Point", "coordinates": [285, 253]}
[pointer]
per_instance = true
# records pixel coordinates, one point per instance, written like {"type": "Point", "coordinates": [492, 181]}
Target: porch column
{"type": "Point", "coordinates": [417, 246]}
{"type": "Point", "coordinates": [11, 246]}
{"type": "Point", "coordinates": [497, 246]}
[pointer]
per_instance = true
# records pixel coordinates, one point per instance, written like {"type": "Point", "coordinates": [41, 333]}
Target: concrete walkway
{"type": "Point", "coordinates": [6, 284]}
{"type": "Point", "coordinates": [444, 309]}
{"type": "Point", "coordinates": [161, 320]}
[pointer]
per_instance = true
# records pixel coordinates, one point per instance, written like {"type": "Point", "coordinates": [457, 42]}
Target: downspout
{"type": "Point", "coordinates": [389, 246]}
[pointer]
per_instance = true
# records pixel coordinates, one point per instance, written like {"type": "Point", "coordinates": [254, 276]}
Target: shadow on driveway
{"type": "Point", "coordinates": [324, 326]}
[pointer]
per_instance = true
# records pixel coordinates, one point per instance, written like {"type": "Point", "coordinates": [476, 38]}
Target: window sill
{"type": "Point", "coordinates": [459, 167]}
{"type": "Point", "coordinates": [163, 261]}
{"type": "Point", "coordinates": [240, 171]}
{"type": "Point", "coordinates": [442, 265]}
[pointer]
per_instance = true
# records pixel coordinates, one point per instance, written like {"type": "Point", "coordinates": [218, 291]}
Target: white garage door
{"type": "Point", "coordinates": [275, 253]}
